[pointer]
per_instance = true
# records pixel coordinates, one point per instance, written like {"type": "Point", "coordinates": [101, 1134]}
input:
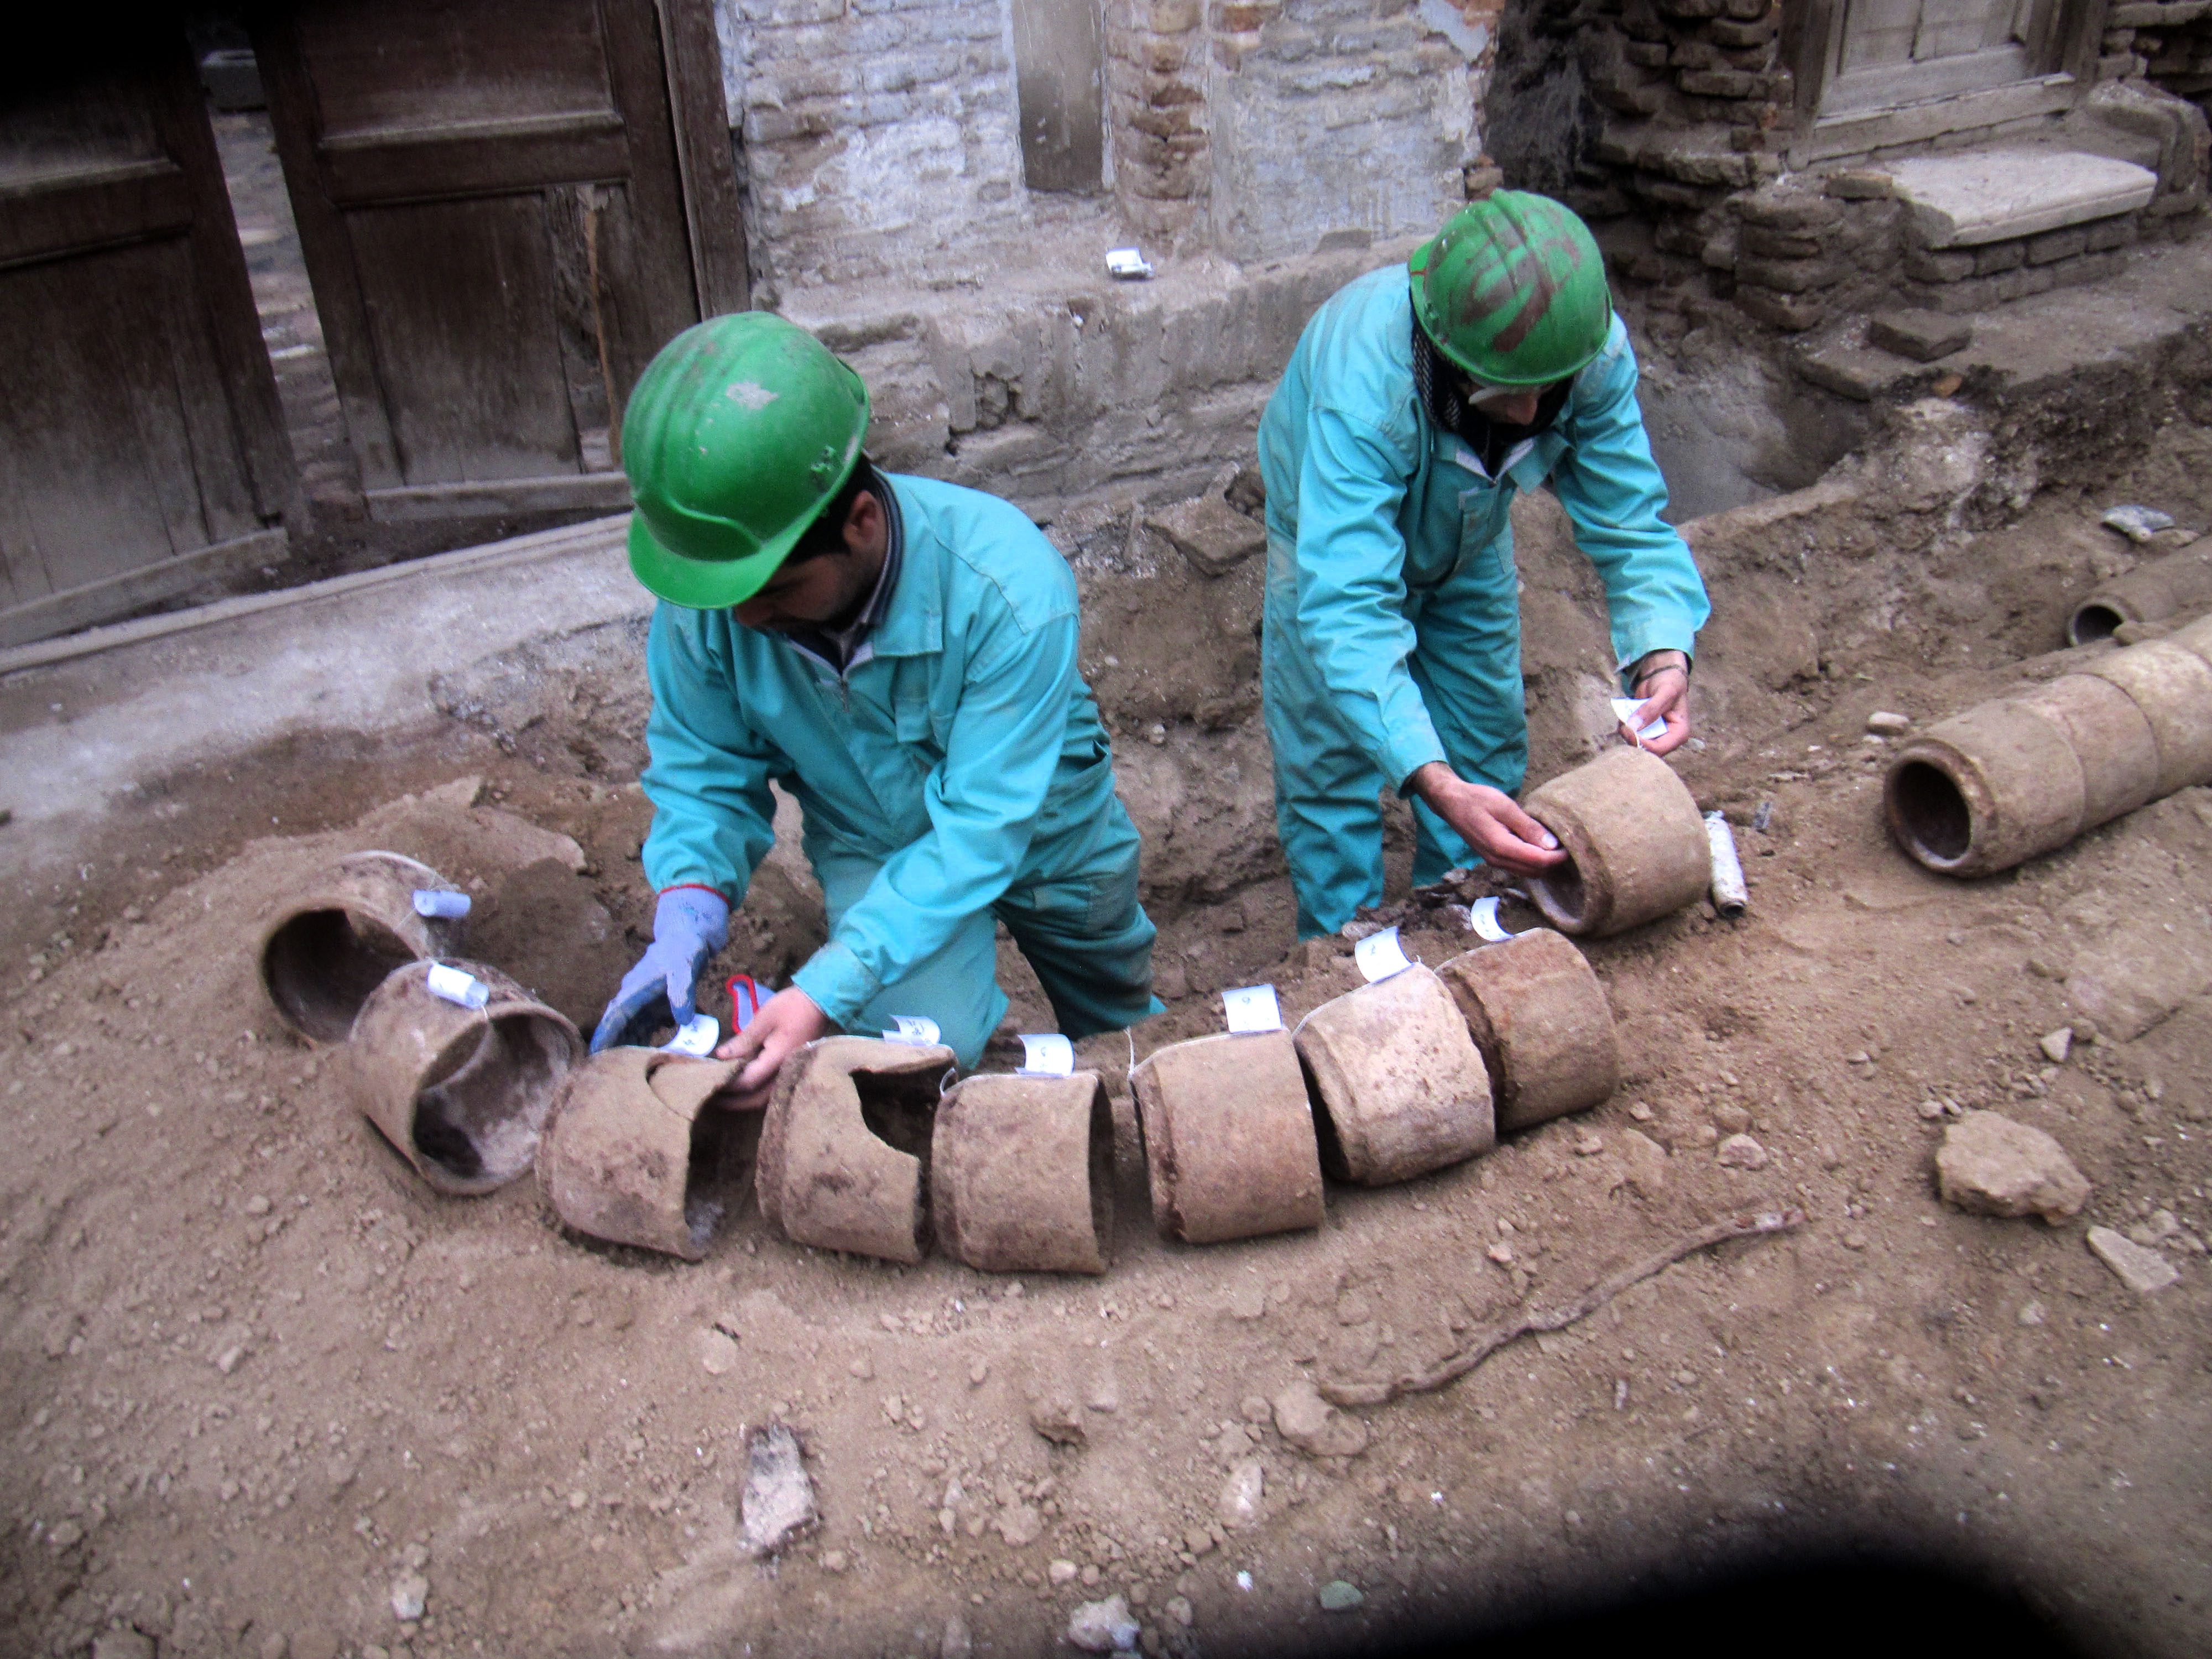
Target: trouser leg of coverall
{"type": "Point", "coordinates": [1467, 662]}
{"type": "Point", "coordinates": [1090, 941]}
{"type": "Point", "coordinates": [1326, 787]}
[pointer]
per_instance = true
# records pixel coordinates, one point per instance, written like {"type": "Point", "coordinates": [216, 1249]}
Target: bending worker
{"type": "Point", "coordinates": [900, 654]}
{"type": "Point", "coordinates": [1419, 400]}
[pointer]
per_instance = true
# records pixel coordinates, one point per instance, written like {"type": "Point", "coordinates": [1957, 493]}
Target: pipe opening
{"type": "Point", "coordinates": [321, 966]}
{"type": "Point", "coordinates": [484, 1100]}
{"type": "Point", "coordinates": [1929, 813]}
{"type": "Point", "coordinates": [2092, 623]}
{"type": "Point", "coordinates": [1566, 899]}
{"type": "Point", "coordinates": [900, 1110]}
{"type": "Point", "coordinates": [1101, 1174]}
{"type": "Point", "coordinates": [723, 1147]}
{"type": "Point", "coordinates": [1326, 1139]}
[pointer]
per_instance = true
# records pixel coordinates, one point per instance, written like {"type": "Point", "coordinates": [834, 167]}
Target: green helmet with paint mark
{"type": "Point", "coordinates": [741, 430]}
{"type": "Point", "coordinates": [1513, 290]}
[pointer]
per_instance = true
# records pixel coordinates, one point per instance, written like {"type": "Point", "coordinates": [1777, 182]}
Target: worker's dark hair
{"type": "Point", "coordinates": [826, 535]}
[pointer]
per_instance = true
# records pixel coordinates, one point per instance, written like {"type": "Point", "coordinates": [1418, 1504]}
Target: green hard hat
{"type": "Point", "coordinates": [739, 433]}
{"type": "Point", "coordinates": [1513, 290]}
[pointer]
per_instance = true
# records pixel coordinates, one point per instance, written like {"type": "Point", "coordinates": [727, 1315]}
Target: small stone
{"type": "Point", "coordinates": [1256, 1408]}
{"type": "Point", "coordinates": [718, 1351]}
{"type": "Point", "coordinates": [1056, 1417]}
{"type": "Point", "coordinates": [1931, 1109]}
{"type": "Point", "coordinates": [1884, 723]}
{"type": "Point", "coordinates": [2057, 1045]}
{"type": "Point", "coordinates": [257, 1204]}
{"type": "Point", "coordinates": [834, 1561]}
{"type": "Point", "coordinates": [1741, 1152]}
{"type": "Point", "coordinates": [1731, 1118]}
{"type": "Point", "coordinates": [1855, 1240]}
{"type": "Point", "coordinates": [1501, 1252]}
{"type": "Point", "coordinates": [1353, 1308]}
{"type": "Point", "coordinates": [1020, 1525]}
{"type": "Point", "coordinates": [1061, 1572]}
{"type": "Point", "coordinates": [227, 1360]}
{"type": "Point", "coordinates": [778, 1502]}
{"type": "Point", "coordinates": [1587, 1144]}
{"type": "Point", "coordinates": [1339, 1595]}
{"type": "Point", "coordinates": [1247, 1299]}
{"type": "Point", "coordinates": [2031, 1313]}
{"type": "Point", "coordinates": [1642, 1112]}
{"type": "Point", "coordinates": [979, 1373]}
{"type": "Point", "coordinates": [1102, 1626]}
{"type": "Point", "coordinates": [1198, 1540]}
{"type": "Point", "coordinates": [1238, 1505]}
{"type": "Point", "coordinates": [2141, 1270]}
{"type": "Point", "coordinates": [410, 1591]}
{"type": "Point", "coordinates": [274, 1645]}
{"type": "Point", "coordinates": [861, 1368]}
{"type": "Point", "coordinates": [1989, 1165]}
{"type": "Point", "coordinates": [956, 1643]}
{"type": "Point", "coordinates": [1314, 1426]}
{"type": "Point", "coordinates": [65, 1535]}
{"type": "Point", "coordinates": [1647, 1162]}
{"type": "Point", "coordinates": [1178, 1610]}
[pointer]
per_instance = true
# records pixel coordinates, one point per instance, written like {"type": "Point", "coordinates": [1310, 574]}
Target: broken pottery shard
{"type": "Point", "coordinates": [1647, 1162]}
{"type": "Point", "coordinates": [1993, 1166]}
{"type": "Point", "coordinates": [1212, 534]}
{"type": "Point", "coordinates": [778, 1505]}
{"type": "Point", "coordinates": [617, 1162]}
{"type": "Point", "coordinates": [1055, 1411]}
{"type": "Point", "coordinates": [2141, 1270]}
{"type": "Point", "coordinates": [835, 1168]}
{"type": "Point", "coordinates": [1239, 1503]}
{"type": "Point", "coordinates": [1316, 1427]}
{"type": "Point", "coordinates": [2140, 974]}
{"type": "Point", "coordinates": [1102, 1626]}
{"type": "Point", "coordinates": [1020, 1525]}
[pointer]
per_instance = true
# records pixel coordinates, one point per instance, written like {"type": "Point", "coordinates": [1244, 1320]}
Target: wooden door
{"type": "Point", "coordinates": [141, 446]}
{"type": "Point", "coordinates": [1888, 53]}
{"type": "Point", "coordinates": [491, 202]}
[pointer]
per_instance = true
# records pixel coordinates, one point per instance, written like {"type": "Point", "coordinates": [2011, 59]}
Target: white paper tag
{"type": "Point", "coordinates": [915, 1030]}
{"type": "Point", "coordinates": [1380, 955]}
{"type": "Point", "coordinates": [1252, 1008]}
{"type": "Point", "coordinates": [435, 902]}
{"type": "Point", "coordinates": [456, 987]}
{"type": "Point", "coordinates": [1483, 918]}
{"type": "Point", "coordinates": [698, 1038]}
{"type": "Point", "coordinates": [1625, 709]}
{"type": "Point", "coordinates": [1046, 1053]}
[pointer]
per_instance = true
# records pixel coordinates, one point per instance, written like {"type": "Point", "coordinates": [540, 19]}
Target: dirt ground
{"type": "Point", "coordinates": [255, 1378]}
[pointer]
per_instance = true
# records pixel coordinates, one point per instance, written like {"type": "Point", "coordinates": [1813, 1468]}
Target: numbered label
{"type": "Point", "coordinates": [1252, 1008]}
{"type": "Point", "coordinates": [698, 1038]}
{"type": "Point", "coordinates": [915, 1030]}
{"type": "Point", "coordinates": [1483, 918]}
{"type": "Point", "coordinates": [1380, 955]}
{"type": "Point", "coordinates": [1048, 1054]}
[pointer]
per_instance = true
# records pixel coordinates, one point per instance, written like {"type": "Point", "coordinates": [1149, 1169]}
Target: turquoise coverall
{"type": "Point", "coordinates": [1392, 624]}
{"type": "Point", "coordinates": [954, 777]}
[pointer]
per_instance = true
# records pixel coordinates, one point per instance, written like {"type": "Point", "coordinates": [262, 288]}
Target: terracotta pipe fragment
{"type": "Point", "coordinates": [1540, 1019]}
{"type": "Point", "coordinates": [328, 945]}
{"type": "Point", "coordinates": [1021, 1174]}
{"type": "Point", "coordinates": [2178, 584]}
{"type": "Point", "coordinates": [464, 1094]}
{"type": "Point", "coordinates": [628, 1146]}
{"type": "Point", "coordinates": [1398, 1085]}
{"type": "Point", "coordinates": [1635, 842]}
{"type": "Point", "coordinates": [1230, 1144]}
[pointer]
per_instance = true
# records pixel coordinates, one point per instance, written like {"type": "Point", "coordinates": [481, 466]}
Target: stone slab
{"type": "Point", "coordinates": [1973, 197]}
{"type": "Point", "coordinates": [2141, 1270]}
{"type": "Point", "coordinates": [1923, 336]}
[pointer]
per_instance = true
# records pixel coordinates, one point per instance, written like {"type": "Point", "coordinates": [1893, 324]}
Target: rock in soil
{"type": "Point", "coordinates": [1102, 1626]}
{"type": "Point", "coordinates": [1316, 1427]}
{"type": "Point", "coordinates": [1991, 1165]}
{"type": "Point", "coordinates": [778, 1505]}
{"type": "Point", "coordinates": [1340, 1595]}
{"type": "Point", "coordinates": [2141, 1270]}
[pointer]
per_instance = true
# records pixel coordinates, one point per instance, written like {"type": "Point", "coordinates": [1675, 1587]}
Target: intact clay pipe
{"type": "Point", "coordinates": [2179, 585]}
{"type": "Point", "coordinates": [1540, 1019]}
{"type": "Point", "coordinates": [1399, 1087]}
{"type": "Point", "coordinates": [1635, 842]}
{"type": "Point", "coordinates": [842, 1147]}
{"type": "Point", "coordinates": [463, 1093]}
{"type": "Point", "coordinates": [328, 946]}
{"type": "Point", "coordinates": [1021, 1174]}
{"type": "Point", "coordinates": [618, 1161]}
{"type": "Point", "coordinates": [2025, 775]}
{"type": "Point", "coordinates": [1230, 1146]}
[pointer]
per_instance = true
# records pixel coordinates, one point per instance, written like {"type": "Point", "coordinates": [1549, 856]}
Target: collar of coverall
{"type": "Point", "coordinates": [842, 650]}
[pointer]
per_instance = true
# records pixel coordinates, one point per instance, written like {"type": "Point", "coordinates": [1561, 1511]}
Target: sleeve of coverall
{"type": "Point", "coordinates": [1352, 590]}
{"type": "Point", "coordinates": [712, 817]}
{"type": "Point", "coordinates": [982, 800]}
{"type": "Point", "coordinates": [1613, 493]}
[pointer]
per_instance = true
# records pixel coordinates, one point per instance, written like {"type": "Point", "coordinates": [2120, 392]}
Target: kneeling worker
{"type": "Point", "coordinates": [1419, 399]}
{"type": "Point", "coordinates": [900, 654]}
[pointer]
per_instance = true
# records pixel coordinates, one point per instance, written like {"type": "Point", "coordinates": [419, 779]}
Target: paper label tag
{"type": "Point", "coordinates": [915, 1030]}
{"type": "Point", "coordinates": [1483, 918]}
{"type": "Point", "coordinates": [453, 985]}
{"type": "Point", "coordinates": [1380, 955]}
{"type": "Point", "coordinates": [1252, 1008]}
{"type": "Point", "coordinates": [1046, 1053]}
{"type": "Point", "coordinates": [434, 902]}
{"type": "Point", "coordinates": [698, 1038]}
{"type": "Point", "coordinates": [1625, 709]}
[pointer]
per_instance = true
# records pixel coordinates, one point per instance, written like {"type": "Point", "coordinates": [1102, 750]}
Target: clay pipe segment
{"type": "Point", "coordinates": [1398, 1085]}
{"type": "Point", "coordinates": [2179, 585]}
{"type": "Point", "coordinates": [1230, 1144]}
{"type": "Point", "coordinates": [841, 1150]}
{"type": "Point", "coordinates": [1540, 1018]}
{"type": "Point", "coordinates": [2171, 685]}
{"type": "Point", "coordinates": [463, 1093]}
{"type": "Point", "coordinates": [325, 948]}
{"type": "Point", "coordinates": [617, 1161]}
{"type": "Point", "coordinates": [1021, 1174]}
{"type": "Point", "coordinates": [1636, 845]}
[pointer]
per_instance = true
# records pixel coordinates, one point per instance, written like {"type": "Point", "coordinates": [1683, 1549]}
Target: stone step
{"type": "Point", "coordinates": [1968, 197]}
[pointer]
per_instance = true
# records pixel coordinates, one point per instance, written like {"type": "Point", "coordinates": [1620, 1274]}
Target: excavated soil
{"type": "Point", "coordinates": [260, 1384]}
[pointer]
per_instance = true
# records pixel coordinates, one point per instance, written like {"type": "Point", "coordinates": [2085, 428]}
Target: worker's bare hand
{"type": "Point", "coordinates": [1662, 686]}
{"type": "Point", "coordinates": [787, 1023]}
{"type": "Point", "coordinates": [1490, 820]}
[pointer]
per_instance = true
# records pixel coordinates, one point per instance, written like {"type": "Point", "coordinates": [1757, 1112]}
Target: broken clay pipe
{"type": "Point", "coordinates": [620, 1159]}
{"type": "Point", "coordinates": [328, 946]}
{"type": "Point", "coordinates": [1230, 1146]}
{"type": "Point", "coordinates": [1398, 1085]}
{"type": "Point", "coordinates": [1636, 845]}
{"type": "Point", "coordinates": [829, 1173]}
{"type": "Point", "coordinates": [1021, 1174]}
{"type": "Point", "coordinates": [464, 1094]}
{"type": "Point", "coordinates": [1540, 1020]}
{"type": "Point", "coordinates": [2179, 585]}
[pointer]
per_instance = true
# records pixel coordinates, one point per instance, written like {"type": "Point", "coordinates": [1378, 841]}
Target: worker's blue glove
{"type": "Point", "coordinates": [690, 924]}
